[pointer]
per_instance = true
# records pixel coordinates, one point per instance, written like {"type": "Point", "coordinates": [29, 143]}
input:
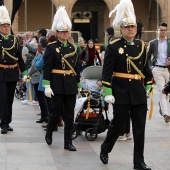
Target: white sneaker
{"type": "Point", "coordinates": [24, 102]}
{"type": "Point", "coordinates": [35, 102]}
{"type": "Point", "coordinates": [122, 137]}
{"type": "Point", "coordinates": [129, 136]}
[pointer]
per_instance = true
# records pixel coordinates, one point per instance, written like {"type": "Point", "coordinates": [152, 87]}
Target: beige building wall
{"type": "Point", "coordinates": [40, 13]}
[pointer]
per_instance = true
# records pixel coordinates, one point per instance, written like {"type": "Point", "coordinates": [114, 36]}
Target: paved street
{"type": "Point", "coordinates": [26, 149]}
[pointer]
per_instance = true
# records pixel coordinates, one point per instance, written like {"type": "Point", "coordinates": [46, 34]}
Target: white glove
{"type": "Point", "coordinates": [25, 78]}
{"type": "Point", "coordinates": [48, 91]}
{"type": "Point", "coordinates": [109, 99]}
{"type": "Point", "coordinates": [148, 94]}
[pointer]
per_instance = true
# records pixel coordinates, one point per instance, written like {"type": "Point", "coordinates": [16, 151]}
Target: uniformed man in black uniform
{"type": "Point", "coordinates": [61, 78]}
{"type": "Point", "coordinates": [126, 74]}
{"type": "Point", "coordinates": [10, 63]}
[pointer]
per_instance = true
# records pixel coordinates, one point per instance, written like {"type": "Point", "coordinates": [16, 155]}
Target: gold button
{"type": "Point", "coordinates": [126, 54]}
{"type": "Point", "coordinates": [125, 46]}
{"type": "Point", "coordinates": [140, 62]}
{"type": "Point", "coordinates": [130, 80]}
{"type": "Point", "coordinates": [137, 45]}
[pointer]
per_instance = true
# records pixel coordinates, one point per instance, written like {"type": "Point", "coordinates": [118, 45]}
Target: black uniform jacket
{"type": "Point", "coordinates": [60, 83]}
{"type": "Point", "coordinates": [11, 46]}
{"type": "Point", "coordinates": [126, 91]}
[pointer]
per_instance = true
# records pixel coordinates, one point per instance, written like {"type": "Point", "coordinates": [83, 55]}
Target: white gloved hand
{"type": "Point", "coordinates": [48, 91]}
{"type": "Point", "coordinates": [25, 78]}
{"type": "Point", "coordinates": [109, 99]}
{"type": "Point", "coordinates": [148, 94]}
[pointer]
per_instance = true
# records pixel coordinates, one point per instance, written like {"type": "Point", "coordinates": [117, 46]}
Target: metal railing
{"type": "Point", "coordinates": [146, 35]}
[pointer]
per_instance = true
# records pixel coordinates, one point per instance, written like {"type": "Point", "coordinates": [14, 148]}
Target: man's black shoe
{"type": "Point", "coordinates": [4, 130]}
{"type": "Point", "coordinates": [104, 158]}
{"type": "Point", "coordinates": [48, 138]}
{"type": "Point", "coordinates": [10, 128]}
{"type": "Point", "coordinates": [141, 166]}
{"type": "Point", "coordinates": [69, 147]}
{"type": "Point", "coordinates": [41, 120]}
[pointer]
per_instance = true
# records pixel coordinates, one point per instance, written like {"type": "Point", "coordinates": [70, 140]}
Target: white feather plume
{"type": "Point", "coordinates": [123, 9]}
{"type": "Point", "coordinates": [61, 19]}
{"type": "Point", "coordinates": [4, 15]}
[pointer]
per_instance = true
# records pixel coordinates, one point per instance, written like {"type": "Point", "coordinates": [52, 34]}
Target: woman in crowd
{"type": "Point", "coordinates": [90, 55]}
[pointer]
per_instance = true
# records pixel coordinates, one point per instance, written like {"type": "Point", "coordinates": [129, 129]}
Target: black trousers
{"type": "Point", "coordinates": [126, 128]}
{"type": "Point", "coordinates": [58, 101]}
{"type": "Point", "coordinates": [7, 90]}
{"type": "Point", "coordinates": [138, 117]}
{"type": "Point", "coordinates": [42, 101]}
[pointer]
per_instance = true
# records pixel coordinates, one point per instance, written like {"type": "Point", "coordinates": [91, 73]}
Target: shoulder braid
{"type": "Point", "coordinates": [114, 41]}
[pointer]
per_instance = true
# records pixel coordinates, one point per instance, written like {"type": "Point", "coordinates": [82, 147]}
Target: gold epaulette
{"type": "Point", "coordinates": [115, 40]}
{"type": "Point", "coordinates": [51, 42]}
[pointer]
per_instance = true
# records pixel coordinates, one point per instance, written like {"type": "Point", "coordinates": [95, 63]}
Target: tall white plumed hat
{"type": "Point", "coordinates": [125, 14]}
{"type": "Point", "coordinates": [61, 20]}
{"type": "Point", "coordinates": [4, 16]}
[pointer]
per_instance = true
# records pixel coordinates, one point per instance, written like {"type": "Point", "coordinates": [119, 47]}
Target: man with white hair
{"type": "Point", "coordinates": [61, 78]}
{"type": "Point", "coordinates": [30, 39]}
{"type": "Point", "coordinates": [126, 77]}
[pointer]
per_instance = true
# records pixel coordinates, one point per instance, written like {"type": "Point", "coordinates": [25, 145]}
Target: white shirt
{"type": "Point", "coordinates": [162, 52]}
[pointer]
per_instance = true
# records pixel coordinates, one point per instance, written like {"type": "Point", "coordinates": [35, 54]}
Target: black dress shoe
{"type": "Point", "coordinates": [41, 120]}
{"type": "Point", "coordinates": [10, 128]}
{"type": "Point", "coordinates": [69, 147]}
{"type": "Point", "coordinates": [48, 138]}
{"type": "Point", "coordinates": [4, 130]}
{"type": "Point", "coordinates": [141, 166]}
{"type": "Point", "coordinates": [104, 158]}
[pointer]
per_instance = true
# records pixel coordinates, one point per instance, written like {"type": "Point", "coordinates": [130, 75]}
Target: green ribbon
{"type": "Point", "coordinates": [6, 37]}
{"type": "Point", "coordinates": [129, 43]}
{"type": "Point", "coordinates": [65, 44]}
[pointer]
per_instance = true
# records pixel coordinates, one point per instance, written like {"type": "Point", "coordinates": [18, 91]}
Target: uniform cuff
{"type": "Point", "coordinates": [46, 82]}
{"type": "Point", "coordinates": [106, 91]}
{"type": "Point", "coordinates": [148, 87]}
{"type": "Point", "coordinates": [25, 73]}
{"type": "Point", "coordinates": [79, 85]}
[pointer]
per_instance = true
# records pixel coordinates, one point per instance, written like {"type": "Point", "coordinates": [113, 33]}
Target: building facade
{"type": "Point", "coordinates": [89, 17]}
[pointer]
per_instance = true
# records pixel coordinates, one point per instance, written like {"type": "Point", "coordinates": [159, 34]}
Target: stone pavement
{"type": "Point", "coordinates": [26, 149]}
